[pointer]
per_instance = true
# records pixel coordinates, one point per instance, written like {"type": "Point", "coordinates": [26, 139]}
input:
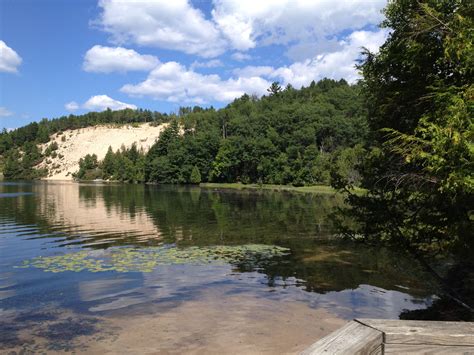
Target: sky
{"type": "Point", "coordinates": [74, 56]}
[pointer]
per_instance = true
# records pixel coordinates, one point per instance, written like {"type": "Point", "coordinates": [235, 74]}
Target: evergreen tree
{"type": "Point", "coordinates": [108, 164]}
{"type": "Point", "coordinates": [420, 93]}
{"type": "Point", "coordinates": [195, 177]}
{"type": "Point", "coordinates": [275, 88]}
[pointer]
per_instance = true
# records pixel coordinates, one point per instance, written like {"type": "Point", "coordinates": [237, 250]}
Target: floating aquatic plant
{"type": "Point", "coordinates": [146, 259]}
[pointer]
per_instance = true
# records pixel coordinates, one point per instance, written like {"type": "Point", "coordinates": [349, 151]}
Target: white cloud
{"type": "Point", "coordinates": [171, 81]}
{"type": "Point", "coordinates": [4, 112]}
{"type": "Point", "coordinates": [335, 65]}
{"type": "Point", "coordinates": [248, 23]}
{"type": "Point", "coordinates": [72, 106]}
{"type": "Point", "coordinates": [306, 27]}
{"type": "Point", "coordinates": [213, 63]}
{"type": "Point", "coordinates": [161, 23]}
{"type": "Point", "coordinates": [240, 57]}
{"type": "Point", "coordinates": [103, 102]}
{"type": "Point", "coordinates": [99, 103]}
{"type": "Point", "coordinates": [109, 59]}
{"type": "Point", "coordinates": [9, 59]}
{"type": "Point", "coordinates": [251, 70]}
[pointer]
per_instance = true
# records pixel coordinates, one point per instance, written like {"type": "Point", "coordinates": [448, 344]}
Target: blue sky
{"type": "Point", "coordinates": [60, 56]}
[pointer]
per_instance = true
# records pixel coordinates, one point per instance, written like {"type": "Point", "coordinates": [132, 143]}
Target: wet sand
{"type": "Point", "coordinates": [214, 324]}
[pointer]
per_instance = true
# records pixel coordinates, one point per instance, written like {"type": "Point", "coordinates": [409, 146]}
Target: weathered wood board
{"type": "Point", "coordinates": [423, 332]}
{"type": "Point", "coordinates": [353, 338]}
{"type": "Point", "coordinates": [380, 336]}
{"type": "Point", "coordinates": [427, 349]}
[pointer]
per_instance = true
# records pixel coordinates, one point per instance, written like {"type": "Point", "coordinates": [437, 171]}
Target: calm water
{"type": "Point", "coordinates": [124, 268]}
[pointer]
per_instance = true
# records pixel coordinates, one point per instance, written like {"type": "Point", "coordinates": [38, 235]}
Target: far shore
{"type": "Point", "coordinates": [316, 189]}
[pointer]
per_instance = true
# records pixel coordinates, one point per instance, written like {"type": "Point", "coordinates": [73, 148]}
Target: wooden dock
{"type": "Point", "coordinates": [380, 336]}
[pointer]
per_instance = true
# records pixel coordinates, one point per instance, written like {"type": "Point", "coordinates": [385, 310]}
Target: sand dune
{"type": "Point", "coordinates": [75, 144]}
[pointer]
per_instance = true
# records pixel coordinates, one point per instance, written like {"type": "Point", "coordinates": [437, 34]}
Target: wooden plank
{"type": "Point", "coordinates": [353, 338]}
{"type": "Point", "coordinates": [378, 351]}
{"type": "Point", "coordinates": [427, 349]}
{"type": "Point", "coordinates": [423, 332]}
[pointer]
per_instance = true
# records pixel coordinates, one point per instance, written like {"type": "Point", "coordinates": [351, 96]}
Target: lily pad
{"type": "Point", "coordinates": [147, 259]}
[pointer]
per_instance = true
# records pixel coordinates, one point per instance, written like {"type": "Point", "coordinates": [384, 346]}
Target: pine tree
{"type": "Point", "coordinates": [195, 176]}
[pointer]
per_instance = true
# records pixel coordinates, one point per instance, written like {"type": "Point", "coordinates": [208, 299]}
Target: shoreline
{"type": "Point", "coordinates": [313, 189]}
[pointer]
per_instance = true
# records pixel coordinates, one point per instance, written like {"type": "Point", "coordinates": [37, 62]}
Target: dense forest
{"type": "Point", "coordinates": [289, 136]}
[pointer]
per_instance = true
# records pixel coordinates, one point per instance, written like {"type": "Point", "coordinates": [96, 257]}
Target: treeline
{"type": "Point", "coordinates": [39, 132]}
{"type": "Point", "coordinates": [19, 153]}
{"type": "Point", "coordinates": [290, 136]}
{"type": "Point", "coordinates": [123, 165]}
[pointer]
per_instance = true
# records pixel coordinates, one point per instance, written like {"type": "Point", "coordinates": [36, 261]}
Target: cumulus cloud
{"type": "Point", "coordinates": [307, 27]}
{"type": "Point", "coordinates": [173, 82]}
{"type": "Point", "coordinates": [251, 70]}
{"type": "Point", "coordinates": [339, 64]}
{"type": "Point", "coordinates": [4, 112]}
{"type": "Point", "coordinates": [99, 103]}
{"type": "Point", "coordinates": [101, 59]}
{"type": "Point", "coordinates": [240, 57]}
{"type": "Point", "coordinates": [161, 23]}
{"type": "Point", "coordinates": [247, 23]}
{"type": "Point", "coordinates": [336, 65]}
{"type": "Point", "coordinates": [213, 63]}
{"type": "Point", "coordinates": [72, 106]}
{"type": "Point", "coordinates": [9, 59]}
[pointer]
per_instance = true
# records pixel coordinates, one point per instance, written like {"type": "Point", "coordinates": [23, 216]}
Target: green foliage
{"type": "Point", "coordinates": [109, 164]}
{"type": "Point", "coordinates": [40, 132]}
{"type": "Point", "coordinates": [420, 94]}
{"type": "Point", "coordinates": [126, 165]}
{"type": "Point", "coordinates": [88, 168]}
{"type": "Point", "coordinates": [21, 165]}
{"type": "Point", "coordinates": [195, 176]}
{"type": "Point", "coordinates": [290, 137]}
{"type": "Point", "coordinates": [51, 148]}
{"type": "Point", "coordinates": [275, 88]}
{"type": "Point", "coordinates": [344, 168]}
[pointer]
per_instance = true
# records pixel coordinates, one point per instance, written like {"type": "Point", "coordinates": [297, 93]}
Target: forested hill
{"type": "Point", "coordinates": [289, 136]}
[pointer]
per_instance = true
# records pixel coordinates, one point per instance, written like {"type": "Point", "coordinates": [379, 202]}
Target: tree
{"type": "Point", "coordinates": [88, 168]}
{"type": "Point", "coordinates": [12, 167]}
{"type": "Point", "coordinates": [109, 164]}
{"type": "Point", "coordinates": [274, 89]}
{"type": "Point", "coordinates": [195, 177]}
{"type": "Point", "coordinates": [43, 132]}
{"type": "Point", "coordinates": [420, 94]}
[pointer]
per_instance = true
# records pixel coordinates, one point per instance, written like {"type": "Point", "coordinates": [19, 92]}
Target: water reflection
{"type": "Point", "coordinates": [318, 276]}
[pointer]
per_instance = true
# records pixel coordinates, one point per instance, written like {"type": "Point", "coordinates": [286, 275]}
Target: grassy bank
{"type": "Point", "coordinates": [318, 189]}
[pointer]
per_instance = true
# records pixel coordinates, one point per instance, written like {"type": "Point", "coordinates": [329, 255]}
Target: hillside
{"type": "Point", "coordinates": [291, 136]}
{"type": "Point", "coordinates": [75, 144]}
